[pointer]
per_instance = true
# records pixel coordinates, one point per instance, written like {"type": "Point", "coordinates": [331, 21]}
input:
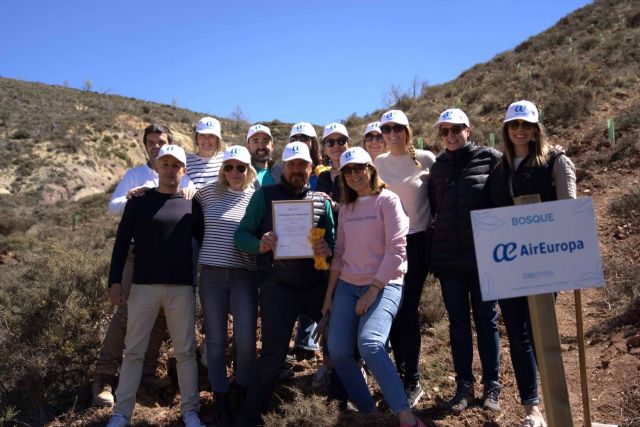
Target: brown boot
{"type": "Point", "coordinates": [102, 390]}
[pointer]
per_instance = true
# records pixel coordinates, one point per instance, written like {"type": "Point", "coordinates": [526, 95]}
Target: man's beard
{"type": "Point", "coordinates": [297, 181]}
{"type": "Point", "coordinates": [260, 158]}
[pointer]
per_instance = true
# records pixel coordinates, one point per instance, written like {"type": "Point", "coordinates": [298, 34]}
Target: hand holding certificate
{"type": "Point", "coordinates": [292, 223]}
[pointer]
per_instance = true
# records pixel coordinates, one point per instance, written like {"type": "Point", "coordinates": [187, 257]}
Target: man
{"type": "Point", "coordinates": [287, 287]}
{"type": "Point", "coordinates": [162, 223]}
{"type": "Point", "coordinates": [260, 145]}
{"type": "Point", "coordinates": [134, 180]}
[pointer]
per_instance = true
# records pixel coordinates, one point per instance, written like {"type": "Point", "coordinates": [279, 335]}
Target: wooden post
{"type": "Point", "coordinates": [583, 359]}
{"type": "Point", "coordinates": [548, 351]}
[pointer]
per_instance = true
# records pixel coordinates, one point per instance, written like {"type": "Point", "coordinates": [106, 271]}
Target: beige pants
{"type": "Point", "coordinates": [145, 302]}
{"type": "Point", "coordinates": [111, 352]}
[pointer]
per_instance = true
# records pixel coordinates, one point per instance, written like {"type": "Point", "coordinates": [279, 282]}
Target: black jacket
{"type": "Point", "coordinates": [456, 187]}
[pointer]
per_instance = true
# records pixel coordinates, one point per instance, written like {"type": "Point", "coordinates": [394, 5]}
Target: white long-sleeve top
{"type": "Point", "coordinates": [140, 176]}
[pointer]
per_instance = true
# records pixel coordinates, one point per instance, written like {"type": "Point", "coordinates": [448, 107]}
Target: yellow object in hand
{"type": "Point", "coordinates": [320, 262]}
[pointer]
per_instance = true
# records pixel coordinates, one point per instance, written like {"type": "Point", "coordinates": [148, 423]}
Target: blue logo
{"type": "Point", "coordinates": [389, 115]}
{"type": "Point", "coordinates": [504, 252]}
{"type": "Point", "coordinates": [521, 109]}
{"type": "Point", "coordinates": [446, 115]}
{"type": "Point", "coordinates": [296, 148]}
{"type": "Point", "coordinates": [235, 151]}
{"type": "Point", "coordinates": [349, 154]}
{"type": "Point", "coordinates": [299, 127]}
{"type": "Point", "coordinates": [211, 123]}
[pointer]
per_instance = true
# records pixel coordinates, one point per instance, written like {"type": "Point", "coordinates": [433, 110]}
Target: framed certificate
{"type": "Point", "coordinates": [292, 223]}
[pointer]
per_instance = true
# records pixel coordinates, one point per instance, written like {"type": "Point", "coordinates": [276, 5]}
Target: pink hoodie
{"type": "Point", "coordinates": [371, 242]}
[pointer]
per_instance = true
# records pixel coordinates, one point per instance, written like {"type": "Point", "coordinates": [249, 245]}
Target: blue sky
{"type": "Point", "coordinates": [315, 61]}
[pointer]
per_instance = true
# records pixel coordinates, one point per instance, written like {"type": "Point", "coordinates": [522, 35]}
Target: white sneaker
{"type": "Point", "coordinates": [533, 421]}
{"type": "Point", "coordinates": [191, 419]}
{"type": "Point", "coordinates": [118, 420]}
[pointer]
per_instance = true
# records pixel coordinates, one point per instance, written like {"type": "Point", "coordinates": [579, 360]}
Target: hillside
{"type": "Point", "coordinates": [62, 150]}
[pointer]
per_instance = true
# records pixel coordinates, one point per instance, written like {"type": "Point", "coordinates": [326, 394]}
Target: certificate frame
{"type": "Point", "coordinates": [292, 223]}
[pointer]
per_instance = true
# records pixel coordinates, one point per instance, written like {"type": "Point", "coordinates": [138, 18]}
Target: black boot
{"type": "Point", "coordinates": [223, 409]}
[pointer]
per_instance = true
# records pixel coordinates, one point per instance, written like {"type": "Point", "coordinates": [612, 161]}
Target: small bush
{"type": "Point", "coordinates": [623, 205]}
{"type": "Point", "coordinates": [20, 134]}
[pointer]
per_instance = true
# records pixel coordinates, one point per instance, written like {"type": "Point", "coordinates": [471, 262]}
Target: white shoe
{"type": "Point", "coordinates": [118, 420]}
{"type": "Point", "coordinates": [533, 421]}
{"type": "Point", "coordinates": [191, 419]}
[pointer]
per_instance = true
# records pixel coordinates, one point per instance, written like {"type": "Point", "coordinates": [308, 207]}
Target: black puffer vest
{"type": "Point", "coordinates": [456, 187]}
{"type": "Point", "coordinates": [290, 273]}
{"type": "Point", "coordinates": [526, 180]}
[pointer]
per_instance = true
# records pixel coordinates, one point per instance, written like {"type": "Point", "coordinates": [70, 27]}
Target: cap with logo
{"type": "Point", "coordinates": [258, 129]}
{"type": "Point", "coordinates": [209, 125]}
{"type": "Point", "coordinates": [355, 155]}
{"type": "Point", "coordinates": [454, 116]}
{"type": "Point", "coordinates": [394, 116]}
{"type": "Point", "coordinates": [237, 152]}
{"type": "Point", "coordinates": [296, 150]}
{"type": "Point", "coordinates": [372, 127]}
{"type": "Point", "coordinates": [522, 110]}
{"type": "Point", "coordinates": [334, 128]}
{"type": "Point", "coordinates": [303, 128]}
{"type": "Point", "coordinates": [174, 151]}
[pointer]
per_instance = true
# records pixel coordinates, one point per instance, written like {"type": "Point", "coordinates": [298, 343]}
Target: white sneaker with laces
{"type": "Point", "coordinates": [118, 420]}
{"type": "Point", "coordinates": [533, 421]}
{"type": "Point", "coordinates": [191, 419]}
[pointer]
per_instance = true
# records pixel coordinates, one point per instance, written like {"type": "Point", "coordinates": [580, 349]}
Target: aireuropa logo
{"type": "Point", "coordinates": [509, 251]}
{"type": "Point", "coordinates": [300, 127]}
{"type": "Point", "coordinates": [333, 126]}
{"type": "Point", "coordinates": [296, 148]}
{"type": "Point", "coordinates": [210, 123]}
{"type": "Point", "coordinates": [446, 115]}
{"type": "Point", "coordinates": [521, 109]}
{"type": "Point", "coordinates": [349, 154]}
{"type": "Point", "coordinates": [235, 151]}
{"type": "Point", "coordinates": [390, 115]}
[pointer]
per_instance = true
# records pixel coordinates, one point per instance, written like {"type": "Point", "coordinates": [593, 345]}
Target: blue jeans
{"type": "Point", "coordinates": [370, 331]}
{"type": "Point", "coordinates": [456, 289]}
{"type": "Point", "coordinates": [515, 313]}
{"type": "Point", "coordinates": [304, 334]}
{"type": "Point", "coordinates": [222, 289]}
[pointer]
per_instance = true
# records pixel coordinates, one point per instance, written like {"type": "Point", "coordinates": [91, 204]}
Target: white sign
{"type": "Point", "coordinates": [537, 248]}
{"type": "Point", "coordinates": [292, 223]}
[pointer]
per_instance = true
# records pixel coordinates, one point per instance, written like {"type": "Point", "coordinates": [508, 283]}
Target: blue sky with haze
{"type": "Point", "coordinates": [295, 61]}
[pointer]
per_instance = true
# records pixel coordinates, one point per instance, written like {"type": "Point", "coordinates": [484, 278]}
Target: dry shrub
{"type": "Point", "coordinates": [431, 306]}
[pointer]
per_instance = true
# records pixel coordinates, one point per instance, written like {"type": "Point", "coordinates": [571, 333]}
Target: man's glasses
{"type": "Point", "coordinates": [300, 137]}
{"type": "Point", "coordinates": [358, 169]}
{"type": "Point", "coordinates": [239, 168]}
{"type": "Point", "coordinates": [517, 124]}
{"type": "Point", "coordinates": [330, 142]}
{"type": "Point", "coordinates": [395, 128]}
{"type": "Point", "coordinates": [373, 137]}
{"type": "Point", "coordinates": [456, 130]}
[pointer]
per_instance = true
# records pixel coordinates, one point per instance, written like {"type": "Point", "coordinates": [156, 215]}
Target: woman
{"type": "Point", "coordinates": [335, 141]}
{"type": "Point", "coordinates": [405, 170]}
{"type": "Point", "coordinates": [529, 166]}
{"type": "Point", "coordinates": [305, 132]}
{"type": "Point", "coordinates": [456, 188]}
{"type": "Point", "coordinates": [373, 140]}
{"type": "Point", "coordinates": [203, 167]}
{"type": "Point", "coordinates": [365, 284]}
{"type": "Point", "coordinates": [227, 279]}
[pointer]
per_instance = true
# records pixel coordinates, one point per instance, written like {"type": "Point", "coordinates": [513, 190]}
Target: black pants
{"type": "Point", "coordinates": [405, 331]}
{"type": "Point", "coordinates": [279, 308]}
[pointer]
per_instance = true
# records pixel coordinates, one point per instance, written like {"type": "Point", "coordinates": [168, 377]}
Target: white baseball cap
{"type": "Point", "coordinates": [296, 150]}
{"type": "Point", "coordinates": [355, 155]}
{"type": "Point", "coordinates": [258, 129]}
{"type": "Point", "coordinates": [334, 128]}
{"type": "Point", "coordinates": [394, 116]}
{"type": "Point", "coordinates": [303, 128]}
{"type": "Point", "coordinates": [174, 151]}
{"type": "Point", "coordinates": [237, 152]}
{"type": "Point", "coordinates": [372, 127]}
{"type": "Point", "coordinates": [209, 125]}
{"type": "Point", "coordinates": [522, 110]}
{"type": "Point", "coordinates": [454, 116]}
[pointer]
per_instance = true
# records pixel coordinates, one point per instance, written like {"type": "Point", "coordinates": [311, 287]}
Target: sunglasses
{"type": "Point", "coordinates": [388, 128]}
{"type": "Point", "coordinates": [373, 137]}
{"type": "Point", "coordinates": [456, 130]}
{"type": "Point", "coordinates": [239, 168]}
{"type": "Point", "coordinates": [517, 124]}
{"type": "Point", "coordinates": [300, 137]}
{"type": "Point", "coordinates": [330, 142]}
{"type": "Point", "coordinates": [358, 169]}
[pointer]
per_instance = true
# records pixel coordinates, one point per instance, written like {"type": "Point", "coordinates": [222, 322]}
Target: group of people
{"type": "Point", "coordinates": [389, 214]}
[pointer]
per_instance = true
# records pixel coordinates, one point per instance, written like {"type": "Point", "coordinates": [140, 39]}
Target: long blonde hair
{"type": "Point", "coordinates": [349, 195]}
{"type": "Point", "coordinates": [538, 146]}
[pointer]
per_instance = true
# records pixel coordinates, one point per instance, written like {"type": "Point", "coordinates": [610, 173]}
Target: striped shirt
{"type": "Point", "coordinates": [222, 214]}
{"type": "Point", "coordinates": [203, 170]}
